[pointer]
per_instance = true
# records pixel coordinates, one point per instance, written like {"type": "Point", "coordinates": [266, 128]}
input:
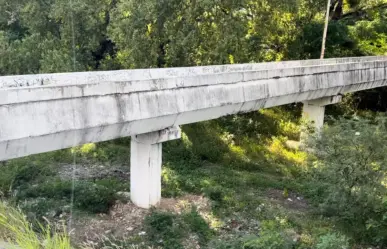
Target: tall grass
{"type": "Point", "coordinates": [19, 233]}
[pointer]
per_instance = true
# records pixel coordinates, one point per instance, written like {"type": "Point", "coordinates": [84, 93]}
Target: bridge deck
{"type": "Point", "coordinates": [47, 112]}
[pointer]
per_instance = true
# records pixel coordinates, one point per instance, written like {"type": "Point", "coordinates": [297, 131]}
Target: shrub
{"type": "Point", "coordinates": [170, 231]}
{"type": "Point", "coordinates": [88, 196]}
{"type": "Point", "coordinates": [93, 197]}
{"type": "Point", "coordinates": [163, 229]}
{"type": "Point", "coordinates": [272, 236]}
{"type": "Point", "coordinates": [349, 167]}
{"type": "Point", "coordinates": [333, 241]}
{"type": "Point", "coordinates": [215, 193]}
{"type": "Point", "coordinates": [20, 172]}
{"type": "Point", "coordinates": [198, 225]}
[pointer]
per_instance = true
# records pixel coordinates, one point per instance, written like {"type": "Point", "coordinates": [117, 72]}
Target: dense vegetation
{"type": "Point", "coordinates": [255, 185]}
{"type": "Point", "coordinates": [43, 36]}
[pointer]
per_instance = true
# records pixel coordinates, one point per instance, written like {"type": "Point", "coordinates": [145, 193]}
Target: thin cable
{"type": "Point", "coordinates": [73, 35]}
{"type": "Point", "coordinates": [325, 30]}
{"type": "Point", "coordinates": [74, 168]}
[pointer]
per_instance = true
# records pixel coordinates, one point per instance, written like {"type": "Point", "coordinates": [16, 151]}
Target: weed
{"type": "Point", "coordinates": [272, 236]}
{"type": "Point", "coordinates": [333, 241]}
{"type": "Point", "coordinates": [88, 196]}
{"type": "Point", "coordinates": [21, 172]}
{"type": "Point", "coordinates": [171, 231]}
{"type": "Point", "coordinates": [198, 225]}
{"type": "Point", "coordinates": [15, 229]}
{"type": "Point", "coordinates": [163, 229]}
{"type": "Point", "coordinates": [215, 193]}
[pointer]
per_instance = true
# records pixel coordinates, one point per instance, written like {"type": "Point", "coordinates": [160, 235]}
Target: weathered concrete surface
{"type": "Point", "coordinates": [42, 113]}
{"type": "Point", "coordinates": [314, 111]}
{"type": "Point", "coordinates": [84, 78]}
{"type": "Point", "coordinates": [145, 166]}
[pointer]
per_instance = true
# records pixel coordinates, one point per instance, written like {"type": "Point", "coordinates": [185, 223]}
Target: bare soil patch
{"type": "Point", "coordinates": [291, 201]}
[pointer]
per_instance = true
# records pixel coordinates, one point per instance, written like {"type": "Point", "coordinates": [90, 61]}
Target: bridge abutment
{"type": "Point", "coordinates": [145, 166]}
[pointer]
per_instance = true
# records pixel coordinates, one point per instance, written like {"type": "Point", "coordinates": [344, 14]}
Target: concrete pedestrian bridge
{"type": "Point", "coordinates": [46, 112]}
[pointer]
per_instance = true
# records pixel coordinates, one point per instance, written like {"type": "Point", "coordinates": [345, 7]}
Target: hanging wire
{"type": "Point", "coordinates": [74, 166]}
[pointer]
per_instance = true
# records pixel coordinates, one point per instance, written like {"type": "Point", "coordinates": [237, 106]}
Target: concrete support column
{"type": "Point", "coordinates": [145, 166]}
{"type": "Point", "coordinates": [314, 114]}
{"type": "Point", "coordinates": [314, 110]}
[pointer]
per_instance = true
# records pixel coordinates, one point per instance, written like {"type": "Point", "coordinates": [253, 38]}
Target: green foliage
{"type": "Point", "coordinates": [206, 32]}
{"type": "Point", "coordinates": [339, 42]}
{"type": "Point", "coordinates": [198, 225]}
{"type": "Point", "coordinates": [169, 230]}
{"type": "Point", "coordinates": [272, 236]}
{"type": "Point", "coordinates": [333, 241]}
{"type": "Point", "coordinates": [37, 36]}
{"type": "Point", "coordinates": [36, 177]}
{"type": "Point", "coordinates": [18, 173]}
{"type": "Point", "coordinates": [263, 124]}
{"type": "Point", "coordinates": [15, 229]}
{"type": "Point", "coordinates": [349, 176]}
{"type": "Point", "coordinates": [88, 196]}
{"type": "Point", "coordinates": [162, 228]}
{"type": "Point", "coordinates": [38, 209]}
{"type": "Point", "coordinates": [93, 197]}
{"type": "Point", "coordinates": [215, 193]}
{"type": "Point", "coordinates": [111, 151]}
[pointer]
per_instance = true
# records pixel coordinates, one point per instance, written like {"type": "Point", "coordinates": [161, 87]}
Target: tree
{"type": "Point", "coordinates": [349, 168]}
{"type": "Point", "coordinates": [37, 36]}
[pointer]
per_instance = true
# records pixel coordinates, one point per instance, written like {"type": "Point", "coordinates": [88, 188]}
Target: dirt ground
{"type": "Point", "coordinates": [291, 201]}
{"type": "Point", "coordinates": [126, 220]}
{"type": "Point", "coordinates": [93, 171]}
